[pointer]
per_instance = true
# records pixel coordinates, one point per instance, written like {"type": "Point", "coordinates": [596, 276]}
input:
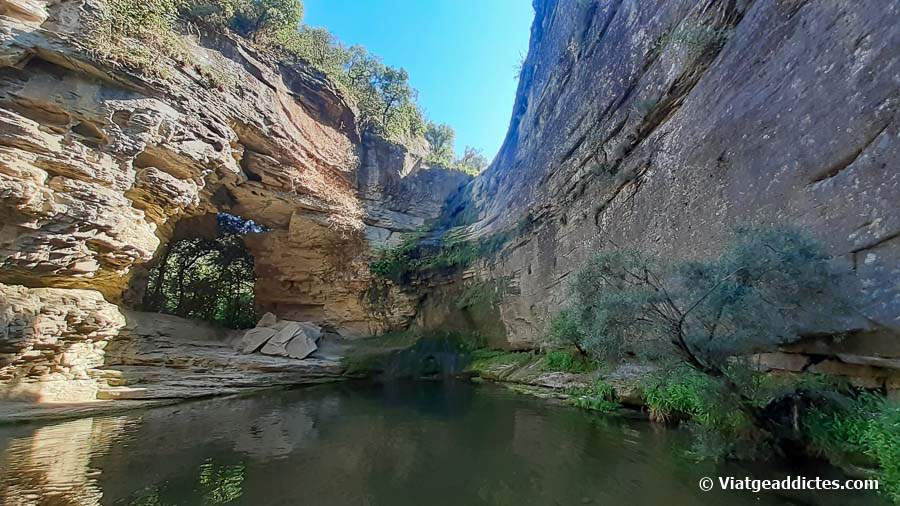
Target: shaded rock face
{"type": "Point", "coordinates": [98, 164]}
{"type": "Point", "coordinates": [661, 125]}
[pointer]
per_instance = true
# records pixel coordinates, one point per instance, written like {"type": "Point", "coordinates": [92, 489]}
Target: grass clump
{"type": "Point", "coordinates": [134, 33]}
{"type": "Point", "coordinates": [486, 361]}
{"type": "Point", "coordinates": [867, 425]}
{"type": "Point", "coordinates": [682, 394]}
{"type": "Point", "coordinates": [564, 361]}
{"type": "Point", "coordinates": [598, 397]}
{"type": "Point", "coordinates": [714, 414]}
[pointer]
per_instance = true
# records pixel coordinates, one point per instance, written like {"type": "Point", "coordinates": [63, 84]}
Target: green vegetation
{"type": "Point", "coordinates": [472, 162]}
{"type": "Point", "coordinates": [683, 394]}
{"type": "Point", "coordinates": [487, 361]}
{"type": "Point", "coordinates": [868, 425]}
{"type": "Point", "coordinates": [483, 293]}
{"type": "Point", "coordinates": [695, 39]}
{"type": "Point", "coordinates": [564, 331]}
{"type": "Point", "coordinates": [134, 33]}
{"type": "Point", "coordinates": [398, 262]}
{"type": "Point", "coordinates": [598, 397]}
{"type": "Point", "coordinates": [714, 414]}
{"type": "Point", "coordinates": [207, 279]}
{"type": "Point", "coordinates": [417, 255]}
{"type": "Point", "coordinates": [752, 297]}
{"type": "Point", "coordinates": [440, 139]}
{"type": "Point", "coordinates": [563, 361]}
{"type": "Point", "coordinates": [221, 484]}
{"type": "Point", "coordinates": [701, 315]}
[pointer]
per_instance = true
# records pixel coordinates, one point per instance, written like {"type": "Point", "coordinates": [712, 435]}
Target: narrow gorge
{"type": "Point", "coordinates": [659, 126]}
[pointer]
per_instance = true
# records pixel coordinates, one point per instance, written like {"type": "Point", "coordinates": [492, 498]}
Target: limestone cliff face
{"type": "Point", "coordinates": [99, 164]}
{"type": "Point", "coordinates": [656, 124]}
{"type": "Point", "coordinates": [661, 125]}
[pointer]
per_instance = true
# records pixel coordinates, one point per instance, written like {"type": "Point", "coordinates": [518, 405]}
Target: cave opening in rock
{"type": "Point", "coordinates": [208, 275]}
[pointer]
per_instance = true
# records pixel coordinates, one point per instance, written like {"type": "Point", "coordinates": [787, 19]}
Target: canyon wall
{"type": "Point", "coordinates": [99, 162]}
{"type": "Point", "coordinates": [659, 125]}
{"type": "Point", "coordinates": [662, 125]}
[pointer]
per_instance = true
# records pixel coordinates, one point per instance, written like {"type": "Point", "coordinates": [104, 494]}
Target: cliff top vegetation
{"type": "Point", "coordinates": [134, 32]}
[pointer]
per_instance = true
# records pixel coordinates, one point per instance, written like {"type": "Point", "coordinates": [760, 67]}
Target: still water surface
{"type": "Point", "coordinates": [425, 443]}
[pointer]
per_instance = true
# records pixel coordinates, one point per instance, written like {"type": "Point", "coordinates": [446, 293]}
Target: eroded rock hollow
{"type": "Point", "coordinates": [99, 164]}
{"type": "Point", "coordinates": [650, 124]}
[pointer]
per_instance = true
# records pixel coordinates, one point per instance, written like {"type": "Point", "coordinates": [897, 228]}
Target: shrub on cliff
{"type": "Point", "coordinates": [472, 162]}
{"type": "Point", "coordinates": [440, 139]}
{"type": "Point", "coordinates": [135, 32]}
{"type": "Point", "coordinates": [759, 293]}
{"type": "Point", "coordinates": [756, 295]}
{"type": "Point", "coordinates": [249, 18]}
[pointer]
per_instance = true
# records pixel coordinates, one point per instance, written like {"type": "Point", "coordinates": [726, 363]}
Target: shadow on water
{"type": "Point", "coordinates": [428, 358]}
{"type": "Point", "coordinates": [389, 443]}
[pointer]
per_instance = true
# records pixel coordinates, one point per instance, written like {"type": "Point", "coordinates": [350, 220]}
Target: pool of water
{"type": "Point", "coordinates": [405, 443]}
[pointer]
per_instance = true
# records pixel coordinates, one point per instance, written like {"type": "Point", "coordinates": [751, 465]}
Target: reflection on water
{"type": "Point", "coordinates": [52, 464]}
{"type": "Point", "coordinates": [393, 444]}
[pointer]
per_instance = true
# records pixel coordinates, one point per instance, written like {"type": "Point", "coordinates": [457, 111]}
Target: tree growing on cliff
{"type": "Point", "coordinates": [440, 139]}
{"type": "Point", "coordinates": [757, 294]}
{"type": "Point", "coordinates": [250, 18]}
{"type": "Point", "coordinates": [765, 287]}
{"type": "Point", "coordinates": [472, 161]}
{"type": "Point", "coordinates": [267, 16]}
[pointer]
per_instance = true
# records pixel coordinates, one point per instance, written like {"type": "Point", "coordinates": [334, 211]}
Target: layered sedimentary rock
{"type": "Point", "coordinates": [99, 163]}
{"type": "Point", "coordinates": [661, 125]}
{"type": "Point", "coordinates": [52, 341]}
{"type": "Point", "coordinates": [658, 125]}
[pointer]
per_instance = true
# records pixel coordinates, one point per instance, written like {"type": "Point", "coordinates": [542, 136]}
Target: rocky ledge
{"type": "Point", "coordinates": [70, 353]}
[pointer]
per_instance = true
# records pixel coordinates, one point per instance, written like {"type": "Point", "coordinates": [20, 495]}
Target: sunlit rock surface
{"type": "Point", "coordinates": [661, 125]}
{"type": "Point", "coordinates": [650, 124]}
{"type": "Point", "coordinates": [99, 163]}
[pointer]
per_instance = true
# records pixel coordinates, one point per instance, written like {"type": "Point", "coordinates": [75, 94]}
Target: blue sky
{"type": "Point", "coordinates": [461, 55]}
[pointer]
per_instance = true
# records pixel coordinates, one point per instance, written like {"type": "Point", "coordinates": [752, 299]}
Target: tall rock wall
{"type": "Point", "coordinates": [100, 162]}
{"type": "Point", "coordinates": [661, 125]}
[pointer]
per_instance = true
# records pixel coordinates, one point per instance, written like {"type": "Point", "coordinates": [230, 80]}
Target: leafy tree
{"type": "Point", "coordinates": [250, 18]}
{"type": "Point", "coordinates": [440, 138]}
{"type": "Point", "coordinates": [386, 101]}
{"type": "Point", "coordinates": [472, 161]}
{"type": "Point", "coordinates": [260, 17]}
{"type": "Point", "coordinates": [759, 293]}
{"type": "Point", "coordinates": [393, 85]}
{"type": "Point", "coordinates": [565, 331]}
{"type": "Point", "coordinates": [207, 279]}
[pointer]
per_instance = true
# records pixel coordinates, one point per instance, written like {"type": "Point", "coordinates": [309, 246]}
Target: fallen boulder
{"type": "Point", "coordinates": [255, 338]}
{"type": "Point", "coordinates": [294, 339]}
